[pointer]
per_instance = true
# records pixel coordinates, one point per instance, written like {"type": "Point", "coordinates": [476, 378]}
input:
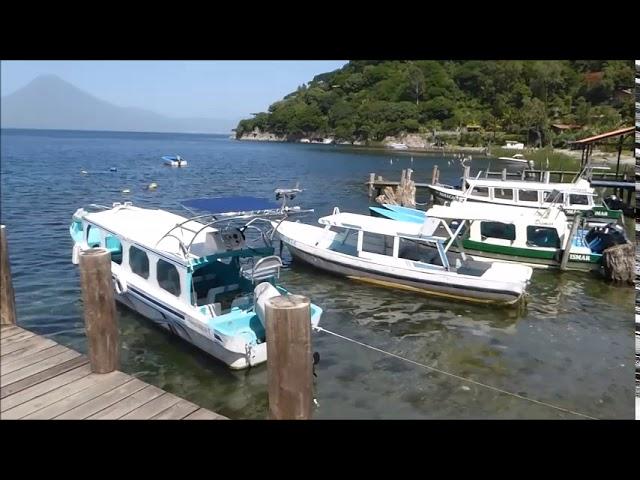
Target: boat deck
{"type": "Point", "coordinates": [40, 379]}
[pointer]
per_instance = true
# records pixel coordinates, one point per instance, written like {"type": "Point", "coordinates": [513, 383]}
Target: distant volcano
{"type": "Point", "coordinates": [49, 102]}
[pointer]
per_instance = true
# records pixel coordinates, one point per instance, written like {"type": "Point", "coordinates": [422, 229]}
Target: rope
{"type": "Point", "coordinates": [566, 410]}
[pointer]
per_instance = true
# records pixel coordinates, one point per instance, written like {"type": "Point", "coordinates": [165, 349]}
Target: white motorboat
{"type": "Point", "coordinates": [398, 146]}
{"type": "Point", "coordinates": [200, 278]}
{"type": "Point", "coordinates": [577, 196]}
{"type": "Point", "coordinates": [174, 161]}
{"type": "Point", "coordinates": [512, 145]}
{"type": "Point", "coordinates": [517, 158]}
{"type": "Point", "coordinates": [403, 255]}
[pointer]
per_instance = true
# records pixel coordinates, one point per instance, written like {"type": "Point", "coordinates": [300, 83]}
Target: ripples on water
{"type": "Point", "coordinates": [571, 346]}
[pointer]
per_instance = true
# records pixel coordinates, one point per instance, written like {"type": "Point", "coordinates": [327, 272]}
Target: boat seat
{"type": "Point", "coordinates": [263, 269]}
{"type": "Point", "coordinates": [474, 268]}
{"type": "Point", "coordinates": [263, 292]}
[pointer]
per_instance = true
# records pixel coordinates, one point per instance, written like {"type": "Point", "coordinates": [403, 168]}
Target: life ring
{"type": "Point", "coordinates": [120, 285]}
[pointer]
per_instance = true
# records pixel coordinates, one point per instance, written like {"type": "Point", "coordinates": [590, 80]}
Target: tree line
{"type": "Point", "coordinates": [369, 100]}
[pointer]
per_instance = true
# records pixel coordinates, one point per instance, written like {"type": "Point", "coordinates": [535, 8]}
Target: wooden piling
{"type": "Point", "coordinates": [289, 357]}
{"type": "Point", "coordinates": [619, 263]}
{"type": "Point", "coordinates": [372, 179]}
{"type": "Point", "coordinates": [567, 244]}
{"type": "Point", "coordinates": [466, 172]}
{"type": "Point", "coordinates": [504, 174]}
{"type": "Point", "coordinates": [99, 309]}
{"type": "Point", "coordinates": [434, 175]}
{"type": "Point", "coordinates": [7, 295]}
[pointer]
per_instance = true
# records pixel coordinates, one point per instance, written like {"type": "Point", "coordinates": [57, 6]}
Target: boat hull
{"type": "Point", "coordinates": [170, 320]}
{"type": "Point", "coordinates": [439, 289]}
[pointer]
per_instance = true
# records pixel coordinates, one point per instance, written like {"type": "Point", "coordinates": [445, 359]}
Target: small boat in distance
{"type": "Point", "coordinates": [511, 145]}
{"type": "Point", "coordinates": [174, 161]}
{"type": "Point", "coordinates": [517, 158]}
{"type": "Point", "coordinates": [398, 146]}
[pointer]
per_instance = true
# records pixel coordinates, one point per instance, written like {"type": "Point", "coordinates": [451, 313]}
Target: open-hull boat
{"type": "Point", "coordinates": [402, 255]}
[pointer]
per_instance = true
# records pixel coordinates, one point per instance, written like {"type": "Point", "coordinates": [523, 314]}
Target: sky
{"type": "Point", "coordinates": [213, 89]}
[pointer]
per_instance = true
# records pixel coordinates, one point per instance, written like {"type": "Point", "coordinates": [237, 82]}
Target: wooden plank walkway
{"type": "Point", "coordinates": [40, 379]}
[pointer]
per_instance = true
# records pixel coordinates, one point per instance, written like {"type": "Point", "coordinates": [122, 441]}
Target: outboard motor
{"type": "Point", "coordinates": [601, 238]}
{"type": "Point", "coordinates": [613, 202]}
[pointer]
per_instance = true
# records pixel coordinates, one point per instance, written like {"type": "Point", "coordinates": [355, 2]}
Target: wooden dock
{"type": "Point", "coordinates": [40, 379]}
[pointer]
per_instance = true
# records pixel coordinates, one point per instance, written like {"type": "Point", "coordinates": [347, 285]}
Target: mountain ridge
{"type": "Point", "coordinates": [50, 103]}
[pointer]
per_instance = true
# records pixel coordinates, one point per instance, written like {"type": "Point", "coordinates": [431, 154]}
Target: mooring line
{"type": "Point", "coordinates": [533, 400]}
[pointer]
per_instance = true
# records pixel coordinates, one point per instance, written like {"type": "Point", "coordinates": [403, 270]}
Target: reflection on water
{"type": "Point", "coordinates": [570, 346]}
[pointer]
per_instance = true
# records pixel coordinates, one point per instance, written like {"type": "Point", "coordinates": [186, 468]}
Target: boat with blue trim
{"type": "Point", "coordinates": [204, 278]}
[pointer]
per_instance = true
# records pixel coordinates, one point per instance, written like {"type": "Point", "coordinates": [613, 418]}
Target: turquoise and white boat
{"type": "Point", "coordinates": [537, 238]}
{"type": "Point", "coordinates": [205, 278]}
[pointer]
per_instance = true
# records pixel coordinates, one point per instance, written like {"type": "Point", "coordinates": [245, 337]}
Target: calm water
{"type": "Point", "coordinates": [572, 346]}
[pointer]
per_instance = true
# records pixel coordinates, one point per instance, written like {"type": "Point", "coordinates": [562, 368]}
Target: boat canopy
{"type": "Point", "coordinates": [581, 186]}
{"type": "Point", "coordinates": [231, 205]}
{"type": "Point", "coordinates": [382, 226]}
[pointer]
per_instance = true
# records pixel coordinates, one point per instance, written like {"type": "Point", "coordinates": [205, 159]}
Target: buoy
{"type": "Point", "coordinates": [126, 190]}
{"type": "Point", "coordinates": [83, 172]}
{"type": "Point", "coordinates": [113, 169]}
{"type": "Point", "coordinates": [153, 186]}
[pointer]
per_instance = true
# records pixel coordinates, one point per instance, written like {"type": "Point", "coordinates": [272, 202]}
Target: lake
{"type": "Point", "coordinates": [572, 346]}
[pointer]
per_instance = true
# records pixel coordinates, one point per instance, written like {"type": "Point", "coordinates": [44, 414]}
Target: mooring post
{"type": "Point", "coordinates": [567, 244]}
{"type": "Point", "coordinates": [434, 175]}
{"type": "Point", "coordinates": [7, 295]}
{"type": "Point", "coordinates": [372, 177]}
{"type": "Point", "coordinates": [466, 172]}
{"type": "Point", "coordinates": [504, 174]}
{"type": "Point", "coordinates": [289, 358]}
{"type": "Point", "coordinates": [99, 309]}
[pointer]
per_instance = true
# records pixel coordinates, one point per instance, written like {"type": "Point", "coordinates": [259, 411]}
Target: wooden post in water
{"type": "Point", "coordinates": [372, 178]}
{"type": "Point", "coordinates": [289, 358]}
{"type": "Point", "coordinates": [504, 174]}
{"type": "Point", "coordinates": [567, 244]}
{"type": "Point", "coordinates": [7, 295]}
{"type": "Point", "coordinates": [466, 172]}
{"type": "Point", "coordinates": [434, 175]}
{"type": "Point", "coordinates": [99, 309]}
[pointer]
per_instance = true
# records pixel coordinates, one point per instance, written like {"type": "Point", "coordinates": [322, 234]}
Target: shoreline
{"type": "Point", "coordinates": [609, 158]}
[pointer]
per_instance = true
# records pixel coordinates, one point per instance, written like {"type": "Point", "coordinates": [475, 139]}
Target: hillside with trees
{"type": "Point", "coordinates": [539, 102]}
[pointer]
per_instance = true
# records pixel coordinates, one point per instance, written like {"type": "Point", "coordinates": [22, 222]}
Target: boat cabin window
{"type": "Point", "coordinates": [553, 197]}
{"type": "Point", "coordinates": [480, 191]}
{"type": "Point", "coordinates": [112, 243]}
{"type": "Point", "coordinates": [575, 199]}
{"type": "Point", "coordinates": [506, 231]}
{"type": "Point", "coordinates": [93, 236]}
{"type": "Point", "coordinates": [377, 243]}
{"type": "Point", "coordinates": [503, 193]}
{"type": "Point", "coordinates": [168, 277]}
{"type": "Point", "coordinates": [139, 262]}
{"type": "Point", "coordinates": [528, 195]}
{"type": "Point", "coordinates": [542, 237]}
